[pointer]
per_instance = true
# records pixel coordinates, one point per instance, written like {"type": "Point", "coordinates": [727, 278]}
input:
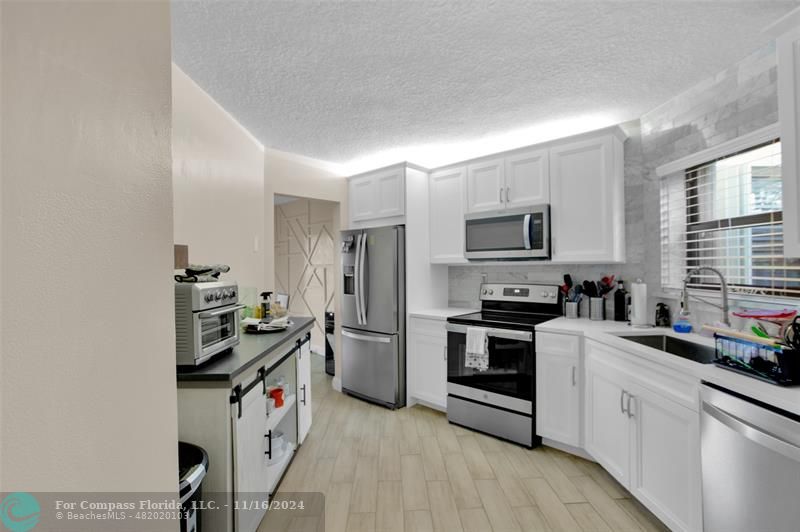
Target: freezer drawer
{"type": "Point", "coordinates": [751, 465]}
{"type": "Point", "coordinates": [372, 367]}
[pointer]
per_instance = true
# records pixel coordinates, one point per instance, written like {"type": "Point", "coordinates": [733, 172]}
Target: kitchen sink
{"type": "Point", "coordinates": [703, 354]}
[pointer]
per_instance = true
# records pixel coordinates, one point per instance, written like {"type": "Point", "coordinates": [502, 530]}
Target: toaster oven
{"type": "Point", "coordinates": [206, 320]}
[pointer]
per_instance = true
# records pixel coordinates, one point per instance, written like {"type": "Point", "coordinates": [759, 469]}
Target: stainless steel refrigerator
{"type": "Point", "coordinates": [373, 315]}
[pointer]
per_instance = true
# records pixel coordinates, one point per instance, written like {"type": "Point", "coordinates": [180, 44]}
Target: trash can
{"type": "Point", "coordinates": [192, 469]}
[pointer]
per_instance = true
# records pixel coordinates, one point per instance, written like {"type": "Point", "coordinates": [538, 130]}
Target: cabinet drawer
{"type": "Point", "coordinates": [558, 344]}
{"type": "Point", "coordinates": [429, 327]}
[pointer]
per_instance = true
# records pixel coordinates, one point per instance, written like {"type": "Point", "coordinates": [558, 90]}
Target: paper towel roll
{"type": "Point", "coordinates": [639, 304]}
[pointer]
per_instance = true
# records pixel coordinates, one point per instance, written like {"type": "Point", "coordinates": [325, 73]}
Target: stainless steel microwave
{"type": "Point", "coordinates": [510, 234]}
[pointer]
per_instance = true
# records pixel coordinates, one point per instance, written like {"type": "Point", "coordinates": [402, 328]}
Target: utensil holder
{"type": "Point", "coordinates": [571, 310]}
{"type": "Point", "coordinates": [597, 308]}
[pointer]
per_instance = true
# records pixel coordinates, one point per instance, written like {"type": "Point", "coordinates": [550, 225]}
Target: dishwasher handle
{"type": "Point", "coordinates": [753, 433]}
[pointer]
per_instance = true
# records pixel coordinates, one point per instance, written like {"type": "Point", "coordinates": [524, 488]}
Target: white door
{"type": "Point", "coordinates": [430, 369]}
{"type": "Point", "coordinates": [788, 50]}
{"type": "Point", "coordinates": [303, 391]}
{"type": "Point", "coordinates": [607, 435]}
{"type": "Point", "coordinates": [390, 192]}
{"type": "Point", "coordinates": [446, 215]}
{"type": "Point", "coordinates": [665, 473]}
{"type": "Point", "coordinates": [249, 459]}
{"type": "Point", "coordinates": [486, 187]}
{"type": "Point", "coordinates": [587, 205]}
{"type": "Point", "coordinates": [527, 179]}
{"type": "Point", "coordinates": [558, 398]}
{"type": "Point", "coordinates": [362, 198]}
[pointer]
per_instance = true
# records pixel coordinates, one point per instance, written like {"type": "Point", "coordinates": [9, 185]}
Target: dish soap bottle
{"type": "Point", "coordinates": [621, 302]}
{"type": "Point", "coordinates": [682, 324]}
{"type": "Point", "coordinates": [266, 296]}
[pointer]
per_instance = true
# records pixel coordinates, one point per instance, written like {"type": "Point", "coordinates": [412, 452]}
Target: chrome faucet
{"type": "Point", "coordinates": [723, 288]}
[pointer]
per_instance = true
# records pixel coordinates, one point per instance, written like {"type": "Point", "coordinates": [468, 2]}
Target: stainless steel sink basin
{"type": "Point", "coordinates": [675, 346]}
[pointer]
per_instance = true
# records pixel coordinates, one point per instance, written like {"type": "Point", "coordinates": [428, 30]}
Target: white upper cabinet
{"type": "Point", "coordinates": [587, 202]}
{"type": "Point", "coordinates": [380, 194]}
{"type": "Point", "coordinates": [446, 203]}
{"type": "Point", "coordinates": [788, 49]}
{"type": "Point", "coordinates": [486, 186]}
{"type": "Point", "coordinates": [527, 178]}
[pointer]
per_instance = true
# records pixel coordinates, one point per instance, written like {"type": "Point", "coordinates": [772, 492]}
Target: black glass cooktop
{"type": "Point", "coordinates": [504, 320]}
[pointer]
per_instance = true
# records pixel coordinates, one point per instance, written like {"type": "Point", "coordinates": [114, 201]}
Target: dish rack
{"type": "Point", "coordinates": [764, 361]}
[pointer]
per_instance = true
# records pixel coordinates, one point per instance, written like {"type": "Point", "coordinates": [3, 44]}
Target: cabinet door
{"type": "Point", "coordinates": [607, 434]}
{"type": "Point", "coordinates": [303, 391]}
{"type": "Point", "coordinates": [665, 473]}
{"type": "Point", "coordinates": [558, 397]}
{"type": "Point", "coordinates": [486, 186]}
{"type": "Point", "coordinates": [362, 198]}
{"type": "Point", "coordinates": [587, 206]}
{"type": "Point", "coordinates": [429, 369]}
{"type": "Point", "coordinates": [528, 179]}
{"type": "Point", "coordinates": [788, 50]}
{"type": "Point", "coordinates": [249, 459]}
{"type": "Point", "coordinates": [446, 214]}
{"type": "Point", "coordinates": [391, 193]}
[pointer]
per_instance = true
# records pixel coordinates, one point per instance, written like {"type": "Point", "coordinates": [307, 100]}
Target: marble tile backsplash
{"type": "Point", "coordinates": [736, 101]}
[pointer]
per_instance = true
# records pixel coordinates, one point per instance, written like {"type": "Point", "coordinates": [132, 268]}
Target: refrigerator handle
{"type": "Point", "coordinates": [356, 278]}
{"type": "Point", "coordinates": [361, 287]}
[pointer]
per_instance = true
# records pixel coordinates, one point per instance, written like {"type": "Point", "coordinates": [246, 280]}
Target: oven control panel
{"type": "Point", "coordinates": [522, 292]}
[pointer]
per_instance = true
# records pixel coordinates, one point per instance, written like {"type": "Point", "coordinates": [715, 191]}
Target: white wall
{"type": "Point", "coordinates": [88, 390]}
{"type": "Point", "coordinates": [294, 175]}
{"type": "Point", "coordinates": [218, 184]}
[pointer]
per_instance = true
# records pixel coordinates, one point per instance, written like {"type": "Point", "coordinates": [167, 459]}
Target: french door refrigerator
{"type": "Point", "coordinates": [373, 315]}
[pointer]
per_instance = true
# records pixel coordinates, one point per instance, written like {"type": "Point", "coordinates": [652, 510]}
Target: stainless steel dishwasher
{"type": "Point", "coordinates": [751, 464]}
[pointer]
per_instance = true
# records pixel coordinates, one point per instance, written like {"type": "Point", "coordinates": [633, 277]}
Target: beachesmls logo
{"type": "Point", "coordinates": [19, 512]}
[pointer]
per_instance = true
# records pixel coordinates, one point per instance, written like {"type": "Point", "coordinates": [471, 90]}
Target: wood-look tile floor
{"type": "Point", "coordinates": [410, 470]}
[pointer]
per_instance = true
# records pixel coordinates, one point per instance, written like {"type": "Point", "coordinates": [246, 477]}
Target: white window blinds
{"type": "Point", "coordinates": [727, 214]}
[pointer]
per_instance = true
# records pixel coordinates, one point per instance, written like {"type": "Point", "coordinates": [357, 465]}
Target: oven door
{"type": "Point", "coordinates": [215, 330]}
{"type": "Point", "coordinates": [507, 383]}
{"type": "Point", "coordinates": [509, 234]}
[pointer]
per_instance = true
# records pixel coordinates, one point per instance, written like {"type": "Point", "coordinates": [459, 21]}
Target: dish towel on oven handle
{"type": "Point", "coordinates": [477, 355]}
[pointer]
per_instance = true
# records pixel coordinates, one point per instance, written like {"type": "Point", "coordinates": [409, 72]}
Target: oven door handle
{"type": "Point", "coordinates": [526, 231]}
{"type": "Point", "coordinates": [525, 336]}
{"type": "Point", "coordinates": [219, 312]}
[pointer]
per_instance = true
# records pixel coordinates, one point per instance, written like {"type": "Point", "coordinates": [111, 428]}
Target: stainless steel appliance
{"type": "Point", "coordinates": [510, 234]}
{"type": "Point", "coordinates": [373, 315]}
{"type": "Point", "coordinates": [751, 464]}
{"type": "Point", "coordinates": [499, 400]}
{"type": "Point", "coordinates": [206, 320]}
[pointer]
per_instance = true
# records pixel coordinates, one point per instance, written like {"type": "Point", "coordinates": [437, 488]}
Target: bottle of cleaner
{"type": "Point", "coordinates": [621, 302]}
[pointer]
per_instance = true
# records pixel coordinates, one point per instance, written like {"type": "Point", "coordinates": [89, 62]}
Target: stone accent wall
{"type": "Point", "coordinates": [738, 100]}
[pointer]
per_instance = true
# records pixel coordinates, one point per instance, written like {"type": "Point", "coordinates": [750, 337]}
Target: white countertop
{"type": "Point", "coordinates": [609, 332]}
{"type": "Point", "coordinates": [440, 314]}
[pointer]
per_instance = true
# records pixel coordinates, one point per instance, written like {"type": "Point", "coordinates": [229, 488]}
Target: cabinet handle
{"type": "Point", "coordinates": [303, 400]}
{"type": "Point", "coordinates": [268, 436]}
{"type": "Point", "coordinates": [445, 353]}
{"type": "Point", "coordinates": [573, 376]}
{"type": "Point", "coordinates": [501, 195]}
{"type": "Point", "coordinates": [630, 414]}
{"type": "Point", "coordinates": [622, 401]}
{"type": "Point", "coordinates": [508, 194]}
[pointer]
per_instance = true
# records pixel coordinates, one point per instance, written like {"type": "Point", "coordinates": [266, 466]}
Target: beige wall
{"type": "Point", "coordinates": [218, 184]}
{"type": "Point", "coordinates": [294, 175]}
{"type": "Point", "coordinates": [305, 255]}
{"type": "Point", "coordinates": [88, 389]}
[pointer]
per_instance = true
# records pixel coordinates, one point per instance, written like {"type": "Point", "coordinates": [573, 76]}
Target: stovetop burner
{"type": "Point", "coordinates": [509, 306]}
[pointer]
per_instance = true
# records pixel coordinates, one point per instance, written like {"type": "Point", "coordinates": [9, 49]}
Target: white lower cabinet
{"type": "Point", "coordinates": [303, 391]}
{"type": "Point", "coordinates": [427, 362]}
{"type": "Point", "coordinates": [250, 460]}
{"type": "Point", "coordinates": [648, 442]}
{"type": "Point", "coordinates": [558, 388]}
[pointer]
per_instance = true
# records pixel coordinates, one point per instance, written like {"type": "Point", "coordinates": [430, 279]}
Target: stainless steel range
{"type": "Point", "coordinates": [497, 397]}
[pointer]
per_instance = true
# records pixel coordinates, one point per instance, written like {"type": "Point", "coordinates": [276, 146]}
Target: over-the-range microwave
{"type": "Point", "coordinates": [510, 234]}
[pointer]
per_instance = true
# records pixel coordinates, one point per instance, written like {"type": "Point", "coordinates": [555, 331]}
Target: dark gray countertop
{"type": "Point", "coordinates": [252, 352]}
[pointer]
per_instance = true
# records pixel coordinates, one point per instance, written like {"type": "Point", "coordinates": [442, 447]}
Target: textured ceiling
{"type": "Point", "coordinates": [343, 81]}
